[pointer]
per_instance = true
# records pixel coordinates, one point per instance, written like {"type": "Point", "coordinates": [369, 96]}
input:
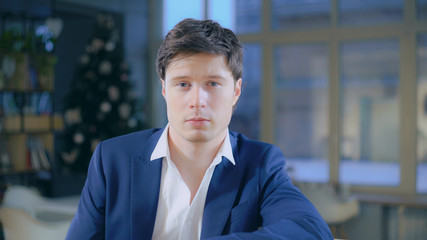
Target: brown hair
{"type": "Point", "coordinates": [192, 36]}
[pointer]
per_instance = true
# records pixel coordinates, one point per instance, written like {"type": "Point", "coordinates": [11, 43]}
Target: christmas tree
{"type": "Point", "coordinates": [100, 104]}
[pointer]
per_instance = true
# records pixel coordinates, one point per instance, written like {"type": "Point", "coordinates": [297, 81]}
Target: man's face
{"type": "Point", "coordinates": [200, 93]}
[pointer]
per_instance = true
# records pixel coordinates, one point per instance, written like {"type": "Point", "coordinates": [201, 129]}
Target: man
{"type": "Point", "coordinates": [194, 179]}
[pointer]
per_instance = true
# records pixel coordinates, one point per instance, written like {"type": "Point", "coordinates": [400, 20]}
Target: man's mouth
{"type": "Point", "coordinates": [197, 121]}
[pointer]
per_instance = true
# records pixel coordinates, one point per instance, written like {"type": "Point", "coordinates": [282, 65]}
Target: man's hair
{"type": "Point", "coordinates": [191, 36]}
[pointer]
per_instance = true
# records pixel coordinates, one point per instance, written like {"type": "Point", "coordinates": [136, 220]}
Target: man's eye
{"type": "Point", "coordinates": [213, 84]}
{"type": "Point", "coordinates": [182, 84]}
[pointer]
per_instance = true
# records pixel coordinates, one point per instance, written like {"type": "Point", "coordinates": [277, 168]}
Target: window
{"type": "Point", "coordinates": [241, 16]}
{"type": "Point", "coordinates": [422, 114]}
{"type": "Point", "coordinates": [175, 11]}
{"type": "Point", "coordinates": [369, 112]}
{"type": "Point", "coordinates": [332, 83]}
{"type": "Point", "coordinates": [290, 14]}
{"type": "Point", "coordinates": [364, 12]}
{"type": "Point", "coordinates": [246, 118]}
{"type": "Point", "coordinates": [302, 109]}
{"type": "Point", "coordinates": [422, 9]}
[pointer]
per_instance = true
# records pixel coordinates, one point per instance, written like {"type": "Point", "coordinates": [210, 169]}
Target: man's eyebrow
{"type": "Point", "coordinates": [215, 77]}
{"type": "Point", "coordinates": [180, 77]}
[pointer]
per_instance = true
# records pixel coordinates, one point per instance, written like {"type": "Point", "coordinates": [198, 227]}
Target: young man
{"type": "Point", "coordinates": [194, 179]}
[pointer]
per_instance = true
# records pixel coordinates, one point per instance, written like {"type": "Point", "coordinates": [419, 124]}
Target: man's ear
{"type": "Point", "coordinates": [237, 91]}
{"type": "Point", "coordinates": [163, 87]}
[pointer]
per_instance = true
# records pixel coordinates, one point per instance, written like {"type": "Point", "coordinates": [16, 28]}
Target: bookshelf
{"type": "Point", "coordinates": [27, 122]}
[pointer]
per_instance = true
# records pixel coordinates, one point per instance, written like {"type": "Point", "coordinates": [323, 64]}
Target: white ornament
{"type": "Point", "coordinates": [132, 123]}
{"type": "Point", "coordinates": [105, 107]}
{"type": "Point", "coordinates": [124, 110]}
{"type": "Point", "coordinates": [105, 67]}
{"type": "Point", "coordinates": [97, 44]}
{"type": "Point", "coordinates": [113, 93]}
{"type": "Point", "coordinates": [110, 46]}
{"type": "Point", "coordinates": [78, 138]}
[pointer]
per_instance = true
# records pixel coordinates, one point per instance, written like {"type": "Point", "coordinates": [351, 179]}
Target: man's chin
{"type": "Point", "coordinates": [198, 138]}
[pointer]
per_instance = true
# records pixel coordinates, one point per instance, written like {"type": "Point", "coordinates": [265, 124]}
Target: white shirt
{"type": "Point", "coordinates": [176, 218]}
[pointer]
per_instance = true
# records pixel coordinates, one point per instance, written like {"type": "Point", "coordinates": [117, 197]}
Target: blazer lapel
{"type": "Point", "coordinates": [145, 187]}
{"type": "Point", "coordinates": [221, 194]}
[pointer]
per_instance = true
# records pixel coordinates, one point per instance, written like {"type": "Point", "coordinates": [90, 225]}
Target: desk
{"type": "Point", "coordinates": [389, 201]}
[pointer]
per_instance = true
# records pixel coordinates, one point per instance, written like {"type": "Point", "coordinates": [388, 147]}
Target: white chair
{"type": "Point", "coordinates": [23, 198]}
{"type": "Point", "coordinates": [27, 215]}
{"type": "Point", "coordinates": [335, 209]}
{"type": "Point", "coordinates": [19, 225]}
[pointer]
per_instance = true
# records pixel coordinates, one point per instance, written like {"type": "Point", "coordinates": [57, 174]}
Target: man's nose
{"type": "Point", "coordinates": [198, 97]}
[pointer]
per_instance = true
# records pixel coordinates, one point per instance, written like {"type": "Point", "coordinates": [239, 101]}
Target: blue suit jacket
{"type": "Point", "coordinates": [253, 199]}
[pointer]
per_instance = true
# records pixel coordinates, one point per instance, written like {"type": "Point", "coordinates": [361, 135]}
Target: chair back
{"type": "Point", "coordinates": [23, 198]}
{"type": "Point", "coordinates": [19, 225]}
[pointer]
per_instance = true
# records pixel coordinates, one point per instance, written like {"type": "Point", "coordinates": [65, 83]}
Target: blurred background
{"type": "Point", "coordinates": [339, 85]}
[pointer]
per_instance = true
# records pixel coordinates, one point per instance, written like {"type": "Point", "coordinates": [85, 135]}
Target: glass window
{"type": "Point", "coordinates": [175, 11]}
{"type": "Point", "coordinates": [241, 16]}
{"type": "Point", "coordinates": [246, 116]}
{"type": "Point", "coordinates": [361, 12]}
{"type": "Point", "coordinates": [302, 132]}
{"type": "Point", "coordinates": [223, 11]}
{"type": "Point", "coordinates": [291, 14]}
{"type": "Point", "coordinates": [369, 78]}
{"type": "Point", "coordinates": [422, 9]}
{"type": "Point", "coordinates": [248, 16]}
{"type": "Point", "coordinates": [422, 114]}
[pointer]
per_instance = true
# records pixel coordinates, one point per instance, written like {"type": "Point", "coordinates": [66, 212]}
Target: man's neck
{"type": "Point", "coordinates": [193, 158]}
{"type": "Point", "coordinates": [196, 154]}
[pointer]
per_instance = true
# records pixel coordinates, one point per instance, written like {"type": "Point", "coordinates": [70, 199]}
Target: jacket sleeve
{"type": "Point", "coordinates": [286, 213]}
{"type": "Point", "coordinates": [88, 222]}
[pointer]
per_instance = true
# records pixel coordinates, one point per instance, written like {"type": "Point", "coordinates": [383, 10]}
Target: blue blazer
{"type": "Point", "coordinates": [254, 199]}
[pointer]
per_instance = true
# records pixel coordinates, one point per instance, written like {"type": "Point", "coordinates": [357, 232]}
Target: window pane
{"type": "Point", "coordinates": [291, 14]}
{"type": "Point", "coordinates": [370, 113]}
{"type": "Point", "coordinates": [174, 11]}
{"type": "Point", "coordinates": [368, 12]}
{"type": "Point", "coordinates": [301, 121]}
{"type": "Point", "coordinates": [422, 114]}
{"type": "Point", "coordinates": [422, 9]}
{"type": "Point", "coordinates": [246, 116]}
{"type": "Point", "coordinates": [222, 11]}
{"type": "Point", "coordinates": [248, 16]}
{"type": "Point", "coordinates": [241, 16]}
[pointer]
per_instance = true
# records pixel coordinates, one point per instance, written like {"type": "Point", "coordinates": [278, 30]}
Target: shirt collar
{"type": "Point", "coordinates": [162, 148]}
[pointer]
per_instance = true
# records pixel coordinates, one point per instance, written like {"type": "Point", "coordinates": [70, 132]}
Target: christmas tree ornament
{"type": "Point", "coordinates": [110, 46]}
{"type": "Point", "coordinates": [97, 44]}
{"type": "Point", "coordinates": [105, 67]}
{"type": "Point", "coordinates": [113, 93]}
{"type": "Point", "coordinates": [124, 110]}
{"type": "Point", "coordinates": [105, 107]}
{"type": "Point", "coordinates": [79, 138]}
